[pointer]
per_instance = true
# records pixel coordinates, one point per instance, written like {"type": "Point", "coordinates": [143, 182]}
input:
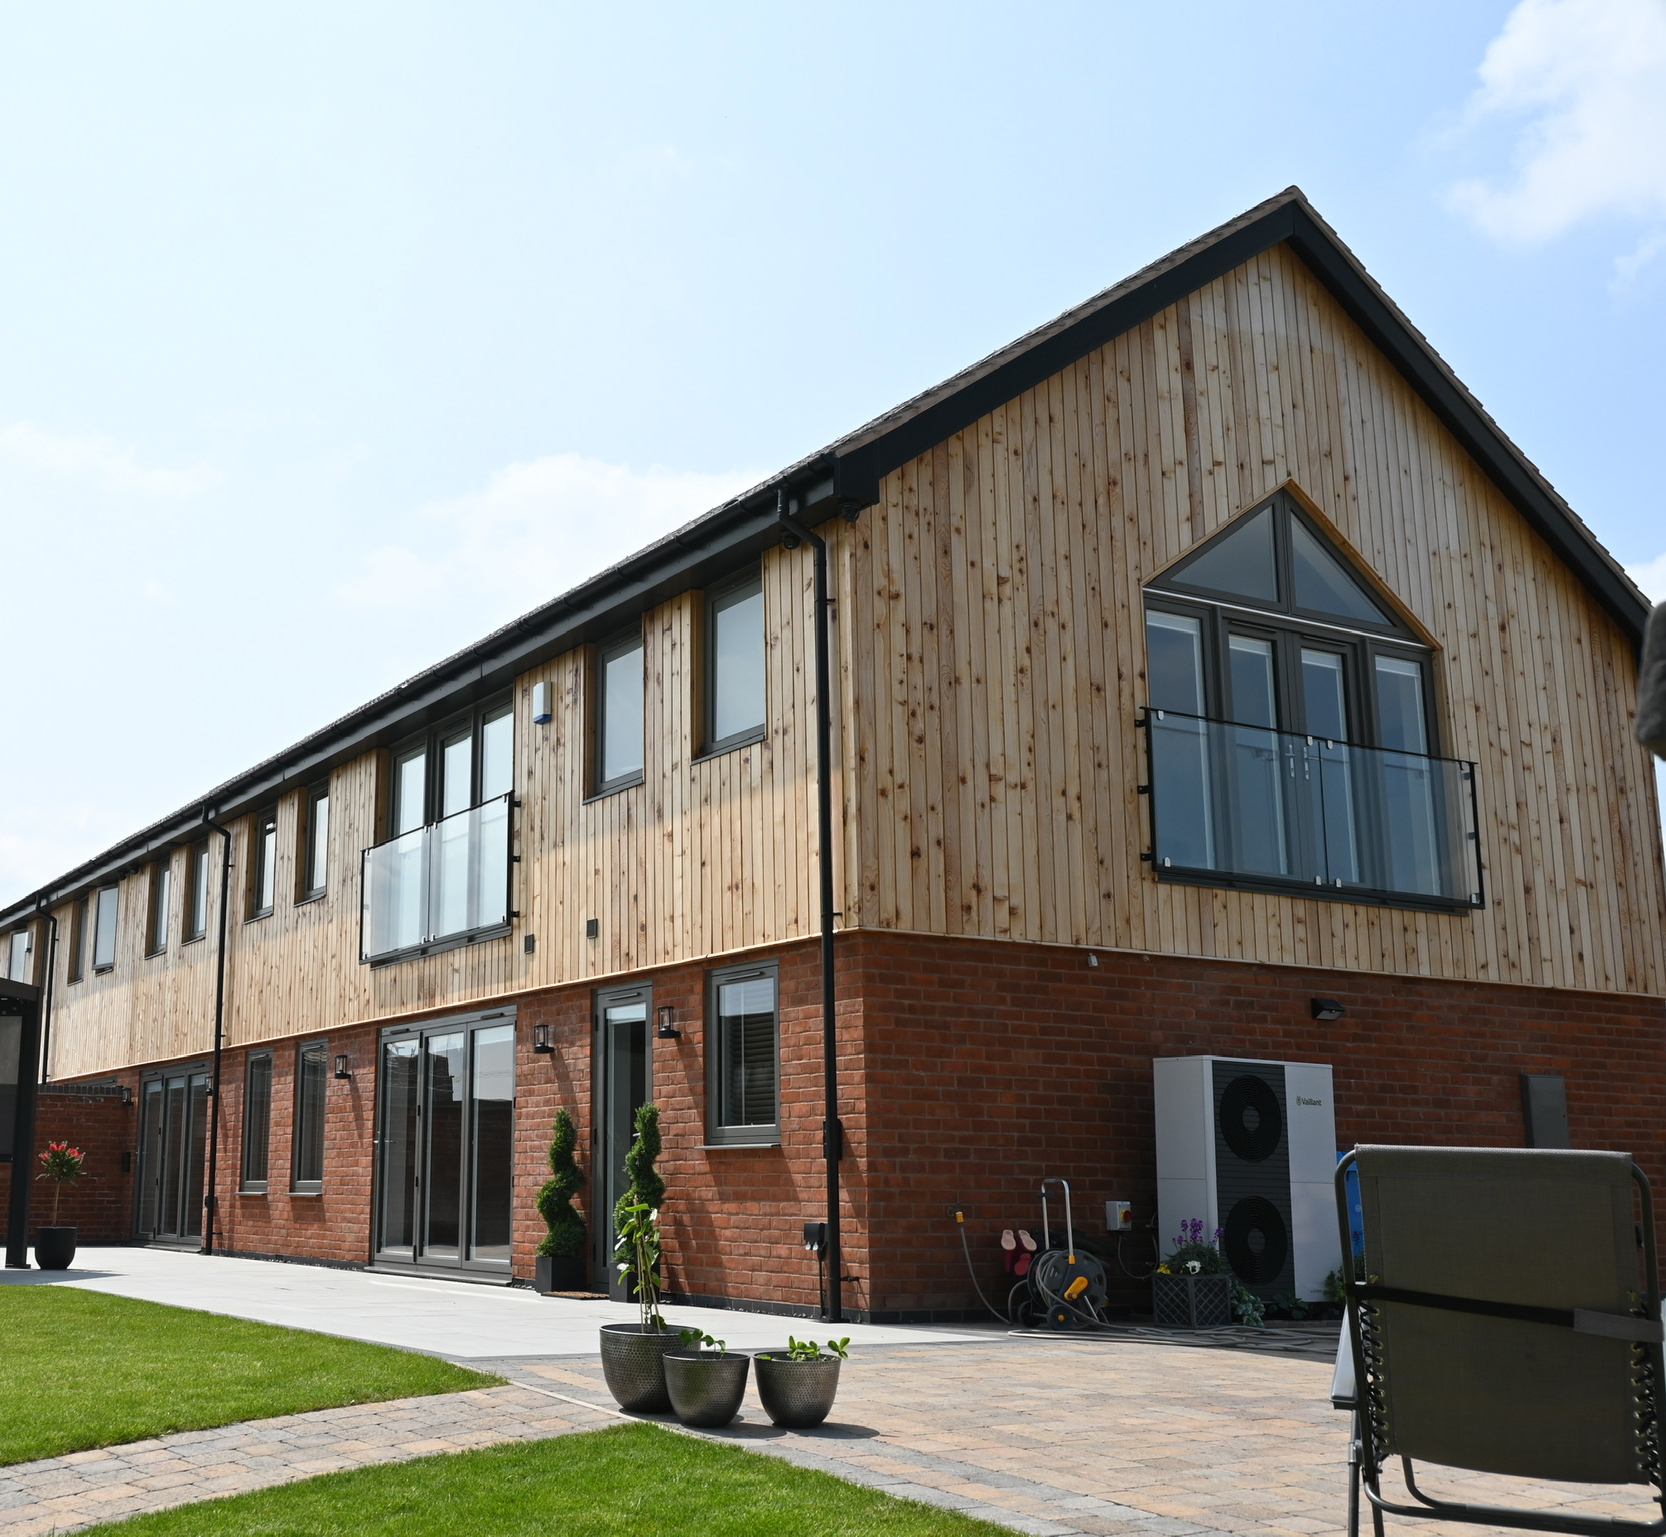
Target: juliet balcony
{"type": "Point", "coordinates": [438, 886]}
{"type": "Point", "coordinates": [1263, 810]}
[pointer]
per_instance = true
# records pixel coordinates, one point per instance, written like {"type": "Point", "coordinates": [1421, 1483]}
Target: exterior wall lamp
{"type": "Point", "coordinates": [342, 1069]}
{"type": "Point", "coordinates": [541, 1041]}
{"type": "Point", "coordinates": [1326, 1008]}
{"type": "Point", "coordinates": [668, 1030]}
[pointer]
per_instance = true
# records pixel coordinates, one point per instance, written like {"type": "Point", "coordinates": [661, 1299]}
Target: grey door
{"type": "Point", "coordinates": [622, 1085]}
{"type": "Point", "coordinates": [444, 1144]}
{"type": "Point", "coordinates": [173, 1139]}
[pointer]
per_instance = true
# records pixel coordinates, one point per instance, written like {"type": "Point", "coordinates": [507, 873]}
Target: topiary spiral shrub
{"type": "Point", "coordinates": [555, 1200]}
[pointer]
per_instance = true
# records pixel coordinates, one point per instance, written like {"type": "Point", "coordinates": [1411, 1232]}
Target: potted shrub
{"type": "Point", "coordinates": [796, 1385]}
{"type": "Point", "coordinates": [560, 1264]}
{"type": "Point", "coordinates": [633, 1355]}
{"type": "Point", "coordinates": [1192, 1288]}
{"type": "Point", "coordinates": [706, 1382]}
{"type": "Point", "coordinates": [54, 1245]}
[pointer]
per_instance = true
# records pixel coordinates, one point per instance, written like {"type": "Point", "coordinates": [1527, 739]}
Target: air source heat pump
{"type": "Point", "coordinates": [1250, 1148]}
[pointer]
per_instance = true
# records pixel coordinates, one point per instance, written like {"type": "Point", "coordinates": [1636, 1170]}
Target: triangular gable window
{"type": "Point", "coordinates": [1273, 558]}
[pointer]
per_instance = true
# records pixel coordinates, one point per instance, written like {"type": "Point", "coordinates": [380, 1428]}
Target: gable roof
{"type": "Point", "coordinates": [846, 474]}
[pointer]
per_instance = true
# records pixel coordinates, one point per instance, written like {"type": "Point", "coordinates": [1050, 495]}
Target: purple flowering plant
{"type": "Point", "coordinates": [1193, 1254]}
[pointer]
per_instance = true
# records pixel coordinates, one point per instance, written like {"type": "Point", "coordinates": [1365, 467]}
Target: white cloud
{"type": "Point", "coordinates": [1651, 577]}
{"type": "Point", "coordinates": [535, 530]}
{"type": "Point", "coordinates": [1590, 78]}
{"type": "Point", "coordinates": [91, 457]}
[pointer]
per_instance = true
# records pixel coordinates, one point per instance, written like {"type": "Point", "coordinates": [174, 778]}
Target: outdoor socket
{"type": "Point", "coordinates": [1119, 1216]}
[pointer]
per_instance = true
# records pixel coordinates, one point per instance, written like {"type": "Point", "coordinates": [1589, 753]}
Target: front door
{"type": "Point", "coordinates": [173, 1138]}
{"type": "Point", "coordinates": [444, 1145]}
{"type": "Point", "coordinates": [622, 1086]}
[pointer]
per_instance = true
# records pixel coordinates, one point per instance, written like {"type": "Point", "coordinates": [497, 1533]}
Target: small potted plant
{"type": "Point", "coordinates": [54, 1245]}
{"type": "Point", "coordinates": [633, 1355]}
{"type": "Point", "coordinates": [560, 1262]}
{"type": "Point", "coordinates": [706, 1382]}
{"type": "Point", "coordinates": [797, 1385]}
{"type": "Point", "coordinates": [1192, 1289]}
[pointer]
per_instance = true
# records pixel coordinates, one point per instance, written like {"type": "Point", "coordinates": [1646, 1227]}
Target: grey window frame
{"type": "Point", "coordinates": [300, 1126]}
{"type": "Point", "coordinates": [614, 645]}
{"type": "Point", "coordinates": [430, 745]}
{"type": "Point", "coordinates": [75, 963]}
{"type": "Point", "coordinates": [718, 1134]}
{"type": "Point", "coordinates": [712, 745]}
{"type": "Point", "coordinates": [99, 967]}
{"type": "Point", "coordinates": [196, 885]}
{"type": "Point", "coordinates": [27, 933]}
{"type": "Point", "coordinates": [305, 890]}
{"type": "Point", "coordinates": [259, 844]}
{"type": "Point", "coordinates": [159, 900]}
{"type": "Point", "coordinates": [257, 1185]}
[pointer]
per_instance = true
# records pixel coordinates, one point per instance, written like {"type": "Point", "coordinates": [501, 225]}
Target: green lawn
{"type": "Point", "coordinates": [79, 1369]}
{"type": "Point", "coordinates": [629, 1480]}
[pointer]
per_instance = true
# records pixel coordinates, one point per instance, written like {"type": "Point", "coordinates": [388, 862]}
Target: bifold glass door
{"type": "Point", "coordinates": [444, 1145]}
{"type": "Point", "coordinates": [173, 1140]}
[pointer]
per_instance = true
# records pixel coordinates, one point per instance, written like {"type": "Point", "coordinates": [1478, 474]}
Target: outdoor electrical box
{"type": "Point", "coordinates": [543, 703]}
{"type": "Point", "coordinates": [1119, 1216]}
{"type": "Point", "coordinates": [1249, 1148]}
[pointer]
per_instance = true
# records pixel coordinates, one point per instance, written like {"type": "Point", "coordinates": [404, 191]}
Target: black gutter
{"type": "Point", "coordinates": [212, 1202]}
{"type": "Point", "coordinates": [832, 1133]}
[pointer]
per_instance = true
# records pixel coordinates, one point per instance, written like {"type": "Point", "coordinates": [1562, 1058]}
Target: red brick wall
{"type": "Point", "coordinates": [969, 1071]}
{"type": "Point", "coordinates": [101, 1204]}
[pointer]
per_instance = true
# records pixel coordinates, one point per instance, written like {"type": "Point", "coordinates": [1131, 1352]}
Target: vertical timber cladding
{"type": "Point", "coordinates": [706, 857]}
{"type": "Point", "coordinates": [999, 657]}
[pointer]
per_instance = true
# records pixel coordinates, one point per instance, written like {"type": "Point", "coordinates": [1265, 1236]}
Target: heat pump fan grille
{"type": "Point", "coordinates": [1256, 1240]}
{"type": "Point", "coordinates": [1251, 1120]}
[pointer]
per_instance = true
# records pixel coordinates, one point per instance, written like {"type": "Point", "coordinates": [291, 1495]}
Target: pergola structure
{"type": "Point", "coordinates": [19, 1076]}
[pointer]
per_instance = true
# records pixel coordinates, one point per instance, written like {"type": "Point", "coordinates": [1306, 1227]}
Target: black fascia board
{"type": "Point", "coordinates": [18, 992]}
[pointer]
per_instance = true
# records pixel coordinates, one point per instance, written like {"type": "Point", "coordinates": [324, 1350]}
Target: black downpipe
{"type": "Point", "coordinates": [212, 1203]}
{"type": "Point", "coordinates": [832, 1132]}
{"type": "Point", "coordinates": [46, 1000]}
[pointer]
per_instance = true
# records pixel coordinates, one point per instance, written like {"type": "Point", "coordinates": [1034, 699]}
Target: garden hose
{"type": "Point", "coordinates": [960, 1222]}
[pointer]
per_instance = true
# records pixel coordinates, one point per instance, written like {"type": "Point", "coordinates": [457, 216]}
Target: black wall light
{"type": "Point", "coordinates": [342, 1068]}
{"type": "Point", "coordinates": [1326, 1008]}
{"type": "Point", "coordinates": [668, 1030]}
{"type": "Point", "coordinates": [541, 1039]}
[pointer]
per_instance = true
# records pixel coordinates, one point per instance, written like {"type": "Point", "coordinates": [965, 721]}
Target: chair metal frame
{"type": "Point", "coordinates": [1364, 1469]}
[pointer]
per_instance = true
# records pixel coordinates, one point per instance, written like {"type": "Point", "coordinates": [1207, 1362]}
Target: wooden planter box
{"type": "Point", "coordinates": [1191, 1301]}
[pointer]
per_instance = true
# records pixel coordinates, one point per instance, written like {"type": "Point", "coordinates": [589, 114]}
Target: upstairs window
{"type": "Point", "coordinates": [1292, 732]}
{"type": "Point", "coordinates": [263, 873]}
{"type": "Point", "coordinates": [465, 763]}
{"type": "Point", "coordinates": [196, 891]}
{"type": "Point", "coordinates": [79, 928]}
{"type": "Point", "coordinates": [736, 709]}
{"type": "Point", "coordinates": [156, 921]}
{"type": "Point", "coordinates": [17, 952]}
{"type": "Point", "coordinates": [105, 912]}
{"type": "Point", "coordinates": [314, 862]}
{"type": "Point", "coordinates": [619, 709]}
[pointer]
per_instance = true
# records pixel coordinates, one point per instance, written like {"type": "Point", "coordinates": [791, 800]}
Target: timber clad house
{"type": "Point", "coordinates": [1207, 653]}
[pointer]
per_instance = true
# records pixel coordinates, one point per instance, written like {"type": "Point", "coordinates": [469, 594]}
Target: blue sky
{"type": "Point", "coordinates": [331, 337]}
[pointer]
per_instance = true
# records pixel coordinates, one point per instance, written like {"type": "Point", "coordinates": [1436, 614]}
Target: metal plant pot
{"type": "Point", "coordinates": [1191, 1301]}
{"type": "Point", "coordinates": [634, 1364]}
{"type": "Point", "coordinates": [561, 1273]}
{"type": "Point", "coordinates": [797, 1395]}
{"type": "Point", "coordinates": [54, 1247]}
{"type": "Point", "coordinates": [706, 1389]}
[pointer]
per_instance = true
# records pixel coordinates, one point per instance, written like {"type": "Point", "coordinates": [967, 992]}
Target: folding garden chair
{"type": "Point", "coordinates": [1507, 1320]}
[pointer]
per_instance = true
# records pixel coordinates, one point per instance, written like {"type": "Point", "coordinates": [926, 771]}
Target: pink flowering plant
{"type": "Point", "coordinates": [63, 1165]}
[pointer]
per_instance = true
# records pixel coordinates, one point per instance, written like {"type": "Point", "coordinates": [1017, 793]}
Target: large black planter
{"type": "Point", "coordinates": [706, 1387]}
{"type": "Point", "coordinates": [797, 1395]}
{"type": "Point", "coordinates": [54, 1248]}
{"type": "Point", "coordinates": [634, 1364]}
{"type": "Point", "coordinates": [562, 1273]}
{"type": "Point", "coordinates": [1191, 1301]}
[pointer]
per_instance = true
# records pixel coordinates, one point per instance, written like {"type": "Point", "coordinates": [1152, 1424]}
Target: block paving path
{"type": "Point", "coordinates": [1060, 1438]}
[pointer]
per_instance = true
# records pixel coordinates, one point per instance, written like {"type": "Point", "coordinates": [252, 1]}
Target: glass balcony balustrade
{"type": "Point", "coordinates": [437, 884]}
{"type": "Point", "coordinates": [1249, 806]}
